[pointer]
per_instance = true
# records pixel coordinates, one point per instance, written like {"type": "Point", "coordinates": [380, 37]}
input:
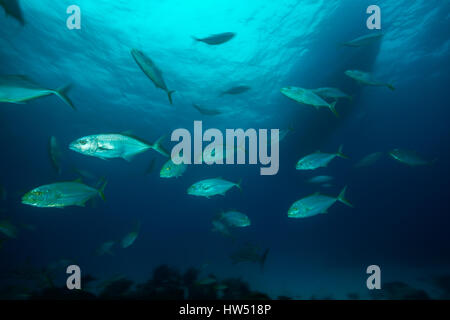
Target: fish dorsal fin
{"type": "Point", "coordinates": [78, 180]}
{"type": "Point", "coordinates": [317, 151]}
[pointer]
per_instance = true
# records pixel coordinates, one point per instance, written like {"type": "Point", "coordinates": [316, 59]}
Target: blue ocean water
{"type": "Point", "coordinates": [400, 219]}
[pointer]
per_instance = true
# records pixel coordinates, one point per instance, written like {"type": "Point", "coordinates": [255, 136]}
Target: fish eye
{"type": "Point", "coordinates": [83, 142]}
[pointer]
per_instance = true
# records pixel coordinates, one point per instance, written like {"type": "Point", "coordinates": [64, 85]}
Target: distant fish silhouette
{"type": "Point", "coordinates": [207, 112]}
{"type": "Point", "coordinates": [151, 71]}
{"type": "Point", "coordinates": [151, 166]}
{"type": "Point", "coordinates": [216, 39]}
{"type": "Point", "coordinates": [236, 90]}
{"type": "Point", "coordinates": [12, 8]}
{"type": "Point", "coordinates": [54, 154]}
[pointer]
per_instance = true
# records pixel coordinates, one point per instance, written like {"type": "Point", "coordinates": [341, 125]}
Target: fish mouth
{"type": "Point", "coordinates": [74, 147]}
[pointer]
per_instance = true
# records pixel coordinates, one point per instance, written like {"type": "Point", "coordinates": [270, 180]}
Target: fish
{"type": "Point", "coordinates": [364, 40]}
{"type": "Point", "coordinates": [172, 170]}
{"type": "Point", "coordinates": [216, 39]}
{"type": "Point", "coordinates": [320, 179]}
{"type": "Point", "coordinates": [315, 204]}
{"type": "Point", "coordinates": [206, 112]}
{"type": "Point", "coordinates": [409, 157]}
{"type": "Point", "coordinates": [12, 8]}
{"type": "Point", "coordinates": [55, 154]}
{"type": "Point", "coordinates": [236, 90]}
{"type": "Point", "coordinates": [131, 237]}
{"type": "Point", "coordinates": [234, 218]}
{"type": "Point", "coordinates": [151, 166]}
{"type": "Point", "coordinates": [105, 248]}
{"type": "Point", "coordinates": [331, 93]}
{"type": "Point", "coordinates": [211, 187]}
{"type": "Point", "coordinates": [62, 194]}
{"type": "Point", "coordinates": [369, 160]}
{"type": "Point", "coordinates": [20, 89]}
{"type": "Point", "coordinates": [151, 71]}
{"type": "Point", "coordinates": [283, 133]}
{"type": "Point", "coordinates": [318, 159]}
{"type": "Point", "coordinates": [308, 97]}
{"type": "Point", "coordinates": [367, 79]}
{"type": "Point", "coordinates": [84, 174]}
{"type": "Point", "coordinates": [110, 146]}
{"type": "Point", "coordinates": [8, 229]}
{"type": "Point", "coordinates": [249, 254]}
{"type": "Point", "coordinates": [219, 226]}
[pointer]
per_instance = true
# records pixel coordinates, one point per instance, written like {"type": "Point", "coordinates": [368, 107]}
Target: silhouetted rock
{"type": "Point", "coordinates": [443, 284]}
{"type": "Point", "coordinates": [62, 294]}
{"type": "Point", "coordinates": [353, 296]}
{"type": "Point", "coordinates": [116, 289]}
{"type": "Point", "coordinates": [398, 291]}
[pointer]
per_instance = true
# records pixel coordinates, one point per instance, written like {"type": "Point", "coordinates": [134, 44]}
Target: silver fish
{"type": "Point", "coordinates": [318, 160]}
{"type": "Point", "coordinates": [131, 237]}
{"type": "Point", "coordinates": [211, 187]}
{"type": "Point", "coordinates": [62, 194]}
{"type": "Point", "coordinates": [409, 157]}
{"type": "Point", "coordinates": [315, 204]}
{"type": "Point", "coordinates": [234, 218]}
{"type": "Point", "coordinates": [172, 170]}
{"type": "Point", "coordinates": [367, 79]}
{"type": "Point", "coordinates": [151, 71]}
{"type": "Point", "coordinates": [20, 89]}
{"type": "Point", "coordinates": [308, 97]}
{"type": "Point", "coordinates": [109, 146]}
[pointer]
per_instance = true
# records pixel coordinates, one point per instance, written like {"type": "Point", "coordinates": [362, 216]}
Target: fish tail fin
{"type": "Point", "coordinates": [390, 86]}
{"type": "Point", "coordinates": [62, 94]}
{"type": "Point", "coordinates": [157, 146]}
{"type": "Point", "coordinates": [340, 154]}
{"type": "Point", "coordinates": [341, 198]}
{"type": "Point", "coordinates": [101, 191]}
{"type": "Point", "coordinates": [169, 94]}
{"type": "Point", "coordinates": [333, 109]}
{"type": "Point", "coordinates": [264, 258]}
{"type": "Point", "coordinates": [239, 185]}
